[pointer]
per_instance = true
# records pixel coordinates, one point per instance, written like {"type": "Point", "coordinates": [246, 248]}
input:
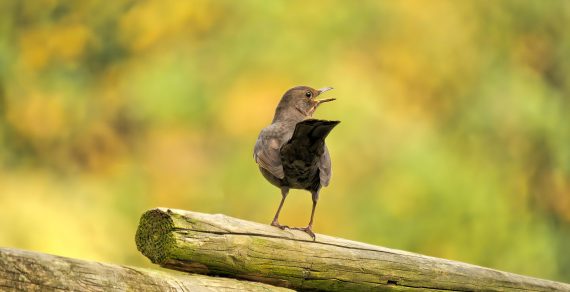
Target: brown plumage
{"type": "Point", "coordinates": [291, 152]}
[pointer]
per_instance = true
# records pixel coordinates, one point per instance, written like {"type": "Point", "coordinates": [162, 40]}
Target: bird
{"type": "Point", "coordinates": [291, 152]}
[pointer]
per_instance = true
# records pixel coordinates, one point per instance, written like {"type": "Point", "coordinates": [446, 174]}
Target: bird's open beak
{"type": "Point", "coordinates": [324, 89]}
{"type": "Point", "coordinates": [319, 101]}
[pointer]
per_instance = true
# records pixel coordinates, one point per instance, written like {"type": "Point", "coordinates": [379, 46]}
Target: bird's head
{"type": "Point", "coordinates": [300, 102]}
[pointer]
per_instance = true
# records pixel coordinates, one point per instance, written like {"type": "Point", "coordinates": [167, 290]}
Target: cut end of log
{"type": "Point", "coordinates": [154, 238]}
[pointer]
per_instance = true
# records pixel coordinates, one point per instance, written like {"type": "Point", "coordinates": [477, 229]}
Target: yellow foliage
{"type": "Point", "coordinates": [64, 43]}
{"type": "Point", "coordinates": [249, 102]}
{"type": "Point", "coordinates": [38, 116]}
{"type": "Point", "coordinates": [173, 159]}
{"type": "Point", "coordinates": [151, 22]}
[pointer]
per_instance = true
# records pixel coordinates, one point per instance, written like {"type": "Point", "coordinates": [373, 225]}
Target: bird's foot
{"type": "Point", "coordinates": [308, 230]}
{"type": "Point", "coordinates": [276, 224]}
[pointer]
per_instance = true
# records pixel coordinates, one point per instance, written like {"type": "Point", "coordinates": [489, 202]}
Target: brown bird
{"type": "Point", "coordinates": [291, 152]}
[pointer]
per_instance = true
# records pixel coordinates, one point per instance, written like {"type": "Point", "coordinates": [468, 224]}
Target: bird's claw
{"type": "Point", "coordinates": [276, 224]}
{"type": "Point", "coordinates": [308, 230]}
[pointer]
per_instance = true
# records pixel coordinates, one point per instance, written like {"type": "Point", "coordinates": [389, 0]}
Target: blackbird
{"type": "Point", "coordinates": [291, 152]}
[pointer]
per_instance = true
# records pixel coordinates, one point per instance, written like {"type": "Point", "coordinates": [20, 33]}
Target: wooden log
{"type": "Point", "coordinates": [222, 245]}
{"type": "Point", "coordinates": [31, 271]}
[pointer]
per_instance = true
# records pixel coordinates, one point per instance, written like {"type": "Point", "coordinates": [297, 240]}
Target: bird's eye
{"type": "Point", "coordinates": [308, 94]}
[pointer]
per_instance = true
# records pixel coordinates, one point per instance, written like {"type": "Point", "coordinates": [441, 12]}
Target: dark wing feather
{"type": "Point", "coordinates": [267, 155]}
{"type": "Point", "coordinates": [310, 136]}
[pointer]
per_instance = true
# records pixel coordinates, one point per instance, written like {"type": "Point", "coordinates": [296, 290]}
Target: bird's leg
{"type": "Point", "coordinates": [309, 228]}
{"type": "Point", "coordinates": [284, 192]}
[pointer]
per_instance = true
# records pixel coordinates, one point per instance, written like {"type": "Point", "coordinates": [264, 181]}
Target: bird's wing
{"type": "Point", "coordinates": [325, 169]}
{"type": "Point", "coordinates": [267, 155]}
{"type": "Point", "coordinates": [310, 136]}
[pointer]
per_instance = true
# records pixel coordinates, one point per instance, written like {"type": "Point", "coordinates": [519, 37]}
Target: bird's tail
{"type": "Point", "coordinates": [312, 132]}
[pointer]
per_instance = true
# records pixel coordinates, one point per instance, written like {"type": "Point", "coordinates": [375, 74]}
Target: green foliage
{"type": "Point", "coordinates": [453, 143]}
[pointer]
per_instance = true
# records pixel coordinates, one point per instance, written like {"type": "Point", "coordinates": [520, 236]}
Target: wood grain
{"type": "Point", "coordinates": [31, 271]}
{"type": "Point", "coordinates": [226, 246]}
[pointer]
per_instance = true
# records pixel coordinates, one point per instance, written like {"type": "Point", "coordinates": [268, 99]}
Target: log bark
{"type": "Point", "coordinates": [226, 246]}
{"type": "Point", "coordinates": [31, 271]}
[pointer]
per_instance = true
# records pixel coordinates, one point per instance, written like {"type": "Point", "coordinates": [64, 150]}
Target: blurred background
{"type": "Point", "coordinates": [454, 139]}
